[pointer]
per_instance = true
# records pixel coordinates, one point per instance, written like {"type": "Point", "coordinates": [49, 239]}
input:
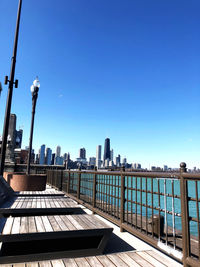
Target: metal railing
{"type": "Point", "coordinates": [160, 208]}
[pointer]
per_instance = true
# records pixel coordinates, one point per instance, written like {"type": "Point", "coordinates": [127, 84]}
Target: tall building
{"type": "Point", "coordinates": [106, 149]}
{"type": "Point", "coordinates": [98, 156]}
{"type": "Point", "coordinates": [48, 156]}
{"type": "Point", "coordinates": [42, 155]}
{"type": "Point", "coordinates": [111, 154]}
{"type": "Point", "coordinates": [18, 139]}
{"type": "Point", "coordinates": [53, 159]}
{"type": "Point", "coordinates": [82, 153]}
{"type": "Point", "coordinates": [58, 151]}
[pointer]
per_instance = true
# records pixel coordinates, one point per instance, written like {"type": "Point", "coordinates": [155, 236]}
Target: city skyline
{"type": "Point", "coordinates": [128, 70]}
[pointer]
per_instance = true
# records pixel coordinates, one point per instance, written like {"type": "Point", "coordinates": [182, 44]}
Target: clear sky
{"type": "Point", "coordinates": [124, 69]}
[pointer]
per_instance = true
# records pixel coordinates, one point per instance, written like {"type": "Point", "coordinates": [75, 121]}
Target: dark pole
{"type": "Point", "coordinates": [10, 92]}
{"type": "Point", "coordinates": [34, 100]}
{"type": "Point", "coordinates": [0, 89]}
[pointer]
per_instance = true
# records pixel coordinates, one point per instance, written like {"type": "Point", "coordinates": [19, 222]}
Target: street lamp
{"type": "Point", "coordinates": [34, 90]}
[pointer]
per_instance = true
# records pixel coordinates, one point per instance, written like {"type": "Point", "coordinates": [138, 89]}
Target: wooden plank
{"type": "Point", "coordinates": [75, 222]}
{"type": "Point", "coordinates": [117, 260]}
{"type": "Point", "coordinates": [61, 223]}
{"type": "Point", "coordinates": [82, 262]}
{"type": "Point", "coordinates": [47, 224]}
{"type": "Point", "coordinates": [67, 222]}
{"type": "Point", "coordinates": [16, 225]}
{"type": "Point", "coordinates": [141, 261]}
{"type": "Point", "coordinates": [24, 225]}
{"type": "Point", "coordinates": [128, 259]}
{"type": "Point", "coordinates": [94, 262]}
{"type": "Point", "coordinates": [19, 265]}
{"type": "Point", "coordinates": [45, 264]}
{"type": "Point", "coordinates": [69, 262]}
{"type": "Point", "coordinates": [39, 224]}
{"type": "Point", "coordinates": [57, 263]}
{"type": "Point", "coordinates": [8, 226]}
{"type": "Point", "coordinates": [32, 264]}
{"type": "Point", "coordinates": [150, 259]}
{"type": "Point", "coordinates": [54, 223]}
{"type": "Point", "coordinates": [32, 224]}
{"type": "Point", "coordinates": [105, 261]}
{"type": "Point", "coordinates": [161, 258]}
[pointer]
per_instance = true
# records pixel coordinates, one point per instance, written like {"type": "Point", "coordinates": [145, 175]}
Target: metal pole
{"type": "Point", "coordinates": [0, 88]}
{"type": "Point", "coordinates": [34, 99]}
{"type": "Point", "coordinates": [10, 92]}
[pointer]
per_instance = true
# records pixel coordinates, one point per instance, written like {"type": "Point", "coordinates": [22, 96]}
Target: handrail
{"type": "Point", "coordinates": [139, 202]}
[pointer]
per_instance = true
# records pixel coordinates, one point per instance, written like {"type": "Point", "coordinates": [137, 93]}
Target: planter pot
{"type": "Point", "coordinates": [26, 182]}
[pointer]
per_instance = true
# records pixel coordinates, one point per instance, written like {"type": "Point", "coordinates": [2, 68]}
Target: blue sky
{"type": "Point", "coordinates": [128, 70]}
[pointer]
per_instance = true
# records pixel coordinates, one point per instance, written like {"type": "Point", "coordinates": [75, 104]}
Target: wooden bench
{"type": "Point", "coordinates": [43, 205]}
{"type": "Point", "coordinates": [50, 237]}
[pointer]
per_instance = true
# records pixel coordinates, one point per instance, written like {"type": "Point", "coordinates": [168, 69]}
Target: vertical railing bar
{"type": "Point", "coordinates": [118, 198]}
{"type": "Point", "coordinates": [94, 189]}
{"type": "Point", "coordinates": [131, 200]}
{"type": "Point", "coordinates": [152, 207]}
{"type": "Point", "coordinates": [106, 184]}
{"type": "Point", "coordinates": [127, 197]}
{"type": "Point", "coordinates": [136, 202]}
{"type": "Point", "coordinates": [173, 216]}
{"type": "Point", "coordinates": [159, 204]}
{"type": "Point", "coordinates": [146, 206]}
{"type": "Point", "coordinates": [165, 207]}
{"type": "Point", "coordinates": [122, 202]}
{"type": "Point", "coordinates": [197, 208]}
{"type": "Point", "coordinates": [141, 203]}
{"type": "Point", "coordinates": [115, 194]}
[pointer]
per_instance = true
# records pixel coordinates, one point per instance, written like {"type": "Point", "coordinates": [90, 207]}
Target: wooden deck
{"type": "Point", "coordinates": [42, 229]}
{"type": "Point", "coordinates": [147, 258]}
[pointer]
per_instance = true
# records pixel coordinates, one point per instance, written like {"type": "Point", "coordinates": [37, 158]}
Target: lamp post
{"type": "Point", "coordinates": [34, 90]}
{"type": "Point", "coordinates": [0, 89]}
{"type": "Point", "coordinates": [10, 92]}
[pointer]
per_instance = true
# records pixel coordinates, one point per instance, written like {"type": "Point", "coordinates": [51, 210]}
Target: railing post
{"type": "Point", "coordinates": [61, 180]}
{"type": "Point", "coordinates": [94, 189]}
{"type": "Point", "coordinates": [122, 199]}
{"type": "Point", "coordinates": [68, 182]}
{"type": "Point", "coordinates": [184, 217]}
{"type": "Point", "coordinates": [79, 184]}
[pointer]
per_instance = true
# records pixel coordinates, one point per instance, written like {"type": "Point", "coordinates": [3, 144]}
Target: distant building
{"type": "Point", "coordinates": [111, 155]}
{"type": "Point", "coordinates": [58, 151]}
{"type": "Point", "coordinates": [42, 155]}
{"type": "Point", "coordinates": [165, 168]}
{"type": "Point", "coordinates": [98, 156]}
{"type": "Point", "coordinates": [106, 150]}
{"type": "Point", "coordinates": [48, 156]}
{"type": "Point", "coordinates": [53, 158]}
{"type": "Point", "coordinates": [118, 161]}
{"type": "Point", "coordinates": [136, 166]}
{"type": "Point", "coordinates": [59, 160]}
{"type": "Point", "coordinates": [124, 161]}
{"type": "Point", "coordinates": [92, 161]}
{"type": "Point", "coordinates": [82, 153]}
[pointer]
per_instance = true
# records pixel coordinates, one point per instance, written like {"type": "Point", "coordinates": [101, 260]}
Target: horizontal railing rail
{"type": "Point", "coordinates": [160, 208]}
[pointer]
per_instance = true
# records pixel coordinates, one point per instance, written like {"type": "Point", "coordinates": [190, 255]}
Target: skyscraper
{"type": "Point", "coordinates": [106, 149]}
{"type": "Point", "coordinates": [48, 156]}
{"type": "Point", "coordinates": [98, 156]}
{"type": "Point", "coordinates": [58, 151]}
{"type": "Point", "coordinates": [82, 153]}
{"type": "Point", "coordinates": [42, 154]}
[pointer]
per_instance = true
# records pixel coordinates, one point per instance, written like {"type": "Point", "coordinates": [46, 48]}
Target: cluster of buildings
{"type": "Point", "coordinates": [103, 160]}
